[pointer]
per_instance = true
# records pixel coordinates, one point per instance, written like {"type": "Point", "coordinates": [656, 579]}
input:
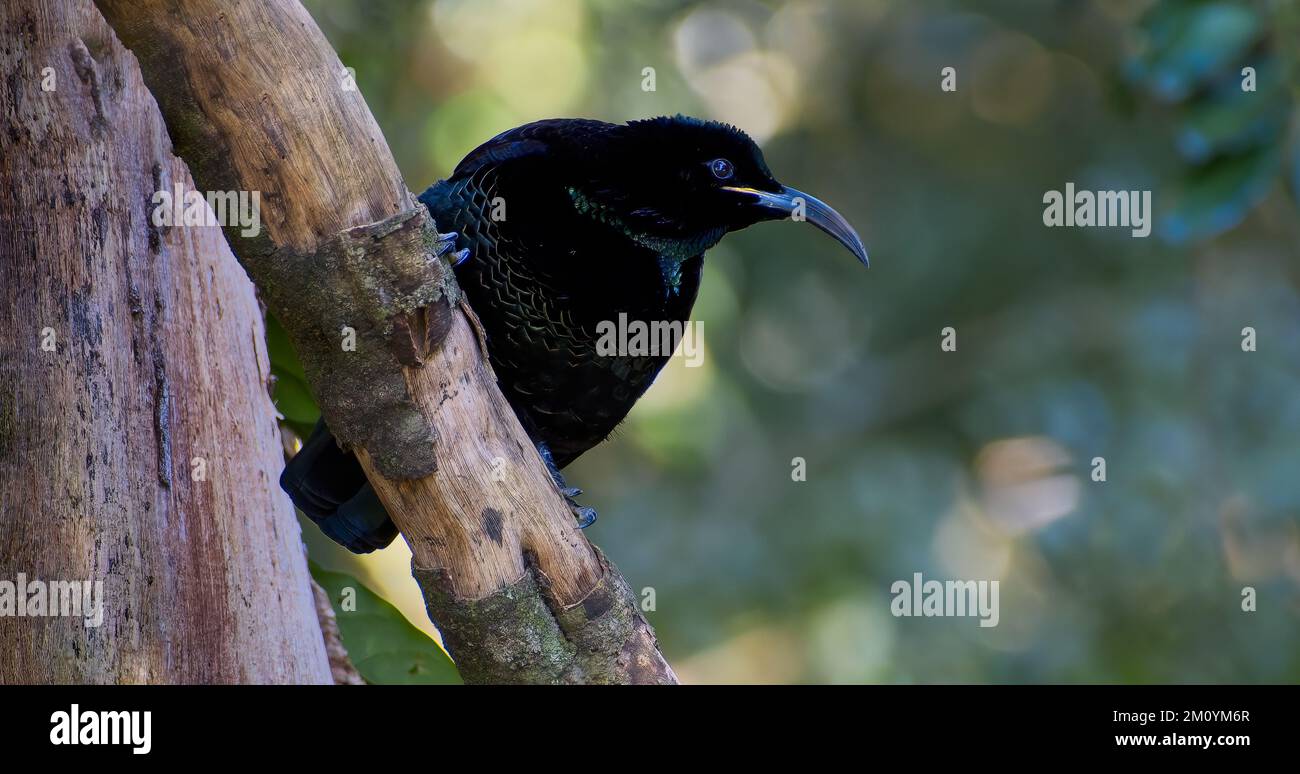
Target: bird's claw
{"type": "Point", "coordinates": [585, 515]}
{"type": "Point", "coordinates": [446, 242]}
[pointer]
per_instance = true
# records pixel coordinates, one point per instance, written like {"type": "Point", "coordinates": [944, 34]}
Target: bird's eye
{"type": "Point", "coordinates": [721, 169]}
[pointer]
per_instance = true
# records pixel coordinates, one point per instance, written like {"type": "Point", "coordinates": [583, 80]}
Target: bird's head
{"type": "Point", "coordinates": [679, 184]}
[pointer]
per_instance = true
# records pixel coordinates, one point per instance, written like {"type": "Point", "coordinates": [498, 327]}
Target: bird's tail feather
{"type": "Point", "coordinates": [328, 484]}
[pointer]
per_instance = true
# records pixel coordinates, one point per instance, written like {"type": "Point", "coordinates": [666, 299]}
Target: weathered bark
{"type": "Point", "coordinates": [159, 359]}
{"type": "Point", "coordinates": [254, 99]}
{"type": "Point", "coordinates": [341, 666]}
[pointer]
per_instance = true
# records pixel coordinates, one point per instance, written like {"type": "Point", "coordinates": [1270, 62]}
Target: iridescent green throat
{"type": "Point", "coordinates": [672, 251]}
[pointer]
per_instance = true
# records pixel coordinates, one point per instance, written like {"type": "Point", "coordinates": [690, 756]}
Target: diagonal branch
{"type": "Point", "coordinates": [254, 100]}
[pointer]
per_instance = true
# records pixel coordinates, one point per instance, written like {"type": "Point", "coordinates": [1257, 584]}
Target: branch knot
{"type": "Point", "coordinates": [382, 299]}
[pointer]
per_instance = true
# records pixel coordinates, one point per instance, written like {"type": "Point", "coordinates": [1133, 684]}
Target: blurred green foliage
{"type": "Point", "coordinates": [1225, 69]}
{"type": "Point", "coordinates": [1072, 343]}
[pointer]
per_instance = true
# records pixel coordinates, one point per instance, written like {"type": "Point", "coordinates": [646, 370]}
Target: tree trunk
{"type": "Point", "coordinates": [256, 100]}
{"type": "Point", "coordinates": [138, 442]}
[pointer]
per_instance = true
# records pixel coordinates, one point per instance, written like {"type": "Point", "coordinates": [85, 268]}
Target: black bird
{"type": "Point", "coordinates": [564, 224]}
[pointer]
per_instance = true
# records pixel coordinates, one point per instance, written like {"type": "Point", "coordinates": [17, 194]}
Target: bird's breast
{"type": "Point", "coordinates": [579, 318]}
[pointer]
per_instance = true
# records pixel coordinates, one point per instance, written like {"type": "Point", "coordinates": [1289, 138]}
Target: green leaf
{"type": "Point", "coordinates": [292, 398]}
{"type": "Point", "coordinates": [1230, 120]}
{"type": "Point", "coordinates": [281, 351]}
{"type": "Point", "coordinates": [295, 402]}
{"type": "Point", "coordinates": [384, 647]}
{"type": "Point", "coordinates": [1219, 195]}
{"type": "Point", "coordinates": [1193, 43]}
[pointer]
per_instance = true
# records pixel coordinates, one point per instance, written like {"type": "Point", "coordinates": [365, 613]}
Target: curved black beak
{"type": "Point", "coordinates": [791, 203]}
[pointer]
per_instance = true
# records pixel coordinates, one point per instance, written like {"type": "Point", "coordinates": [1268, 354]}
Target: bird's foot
{"type": "Point", "coordinates": [586, 516]}
{"type": "Point", "coordinates": [446, 245]}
